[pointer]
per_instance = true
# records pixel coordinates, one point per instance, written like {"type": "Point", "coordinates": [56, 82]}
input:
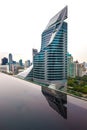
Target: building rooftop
{"type": "Point", "coordinates": [26, 106]}
{"type": "Point", "coordinates": [59, 17]}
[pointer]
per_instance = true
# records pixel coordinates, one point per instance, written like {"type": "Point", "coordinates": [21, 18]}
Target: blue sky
{"type": "Point", "coordinates": [23, 21]}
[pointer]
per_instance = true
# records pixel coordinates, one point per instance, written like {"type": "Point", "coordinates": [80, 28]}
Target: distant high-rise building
{"type": "Point", "coordinates": [4, 61]}
{"type": "Point", "coordinates": [81, 70]}
{"type": "Point", "coordinates": [70, 66]}
{"type": "Point", "coordinates": [10, 59]}
{"type": "Point", "coordinates": [27, 63]}
{"type": "Point", "coordinates": [34, 52]}
{"type": "Point", "coordinates": [76, 63]}
{"type": "Point", "coordinates": [20, 62]}
{"type": "Point", "coordinates": [85, 64]}
{"type": "Point", "coordinates": [10, 62]}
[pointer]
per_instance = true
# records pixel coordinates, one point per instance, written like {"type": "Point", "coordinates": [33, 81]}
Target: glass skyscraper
{"type": "Point", "coordinates": [50, 64]}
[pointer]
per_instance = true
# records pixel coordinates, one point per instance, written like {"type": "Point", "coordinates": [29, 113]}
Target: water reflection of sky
{"type": "Point", "coordinates": [26, 106]}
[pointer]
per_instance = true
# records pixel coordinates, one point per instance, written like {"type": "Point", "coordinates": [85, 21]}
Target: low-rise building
{"type": "Point", "coordinates": [4, 68]}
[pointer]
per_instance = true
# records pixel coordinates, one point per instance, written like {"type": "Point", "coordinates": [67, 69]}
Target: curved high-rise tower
{"type": "Point", "coordinates": [50, 64]}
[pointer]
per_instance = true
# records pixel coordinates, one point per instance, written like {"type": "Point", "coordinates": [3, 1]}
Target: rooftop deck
{"type": "Point", "coordinates": [26, 106]}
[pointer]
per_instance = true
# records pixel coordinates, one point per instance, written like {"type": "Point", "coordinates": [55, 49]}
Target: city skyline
{"type": "Point", "coordinates": [19, 33]}
{"type": "Point", "coordinates": [16, 57]}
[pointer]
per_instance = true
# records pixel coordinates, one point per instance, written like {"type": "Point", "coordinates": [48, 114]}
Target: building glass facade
{"type": "Point", "coordinates": [50, 64]}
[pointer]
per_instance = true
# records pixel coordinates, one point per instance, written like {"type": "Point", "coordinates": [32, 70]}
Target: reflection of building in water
{"type": "Point", "coordinates": [57, 100]}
